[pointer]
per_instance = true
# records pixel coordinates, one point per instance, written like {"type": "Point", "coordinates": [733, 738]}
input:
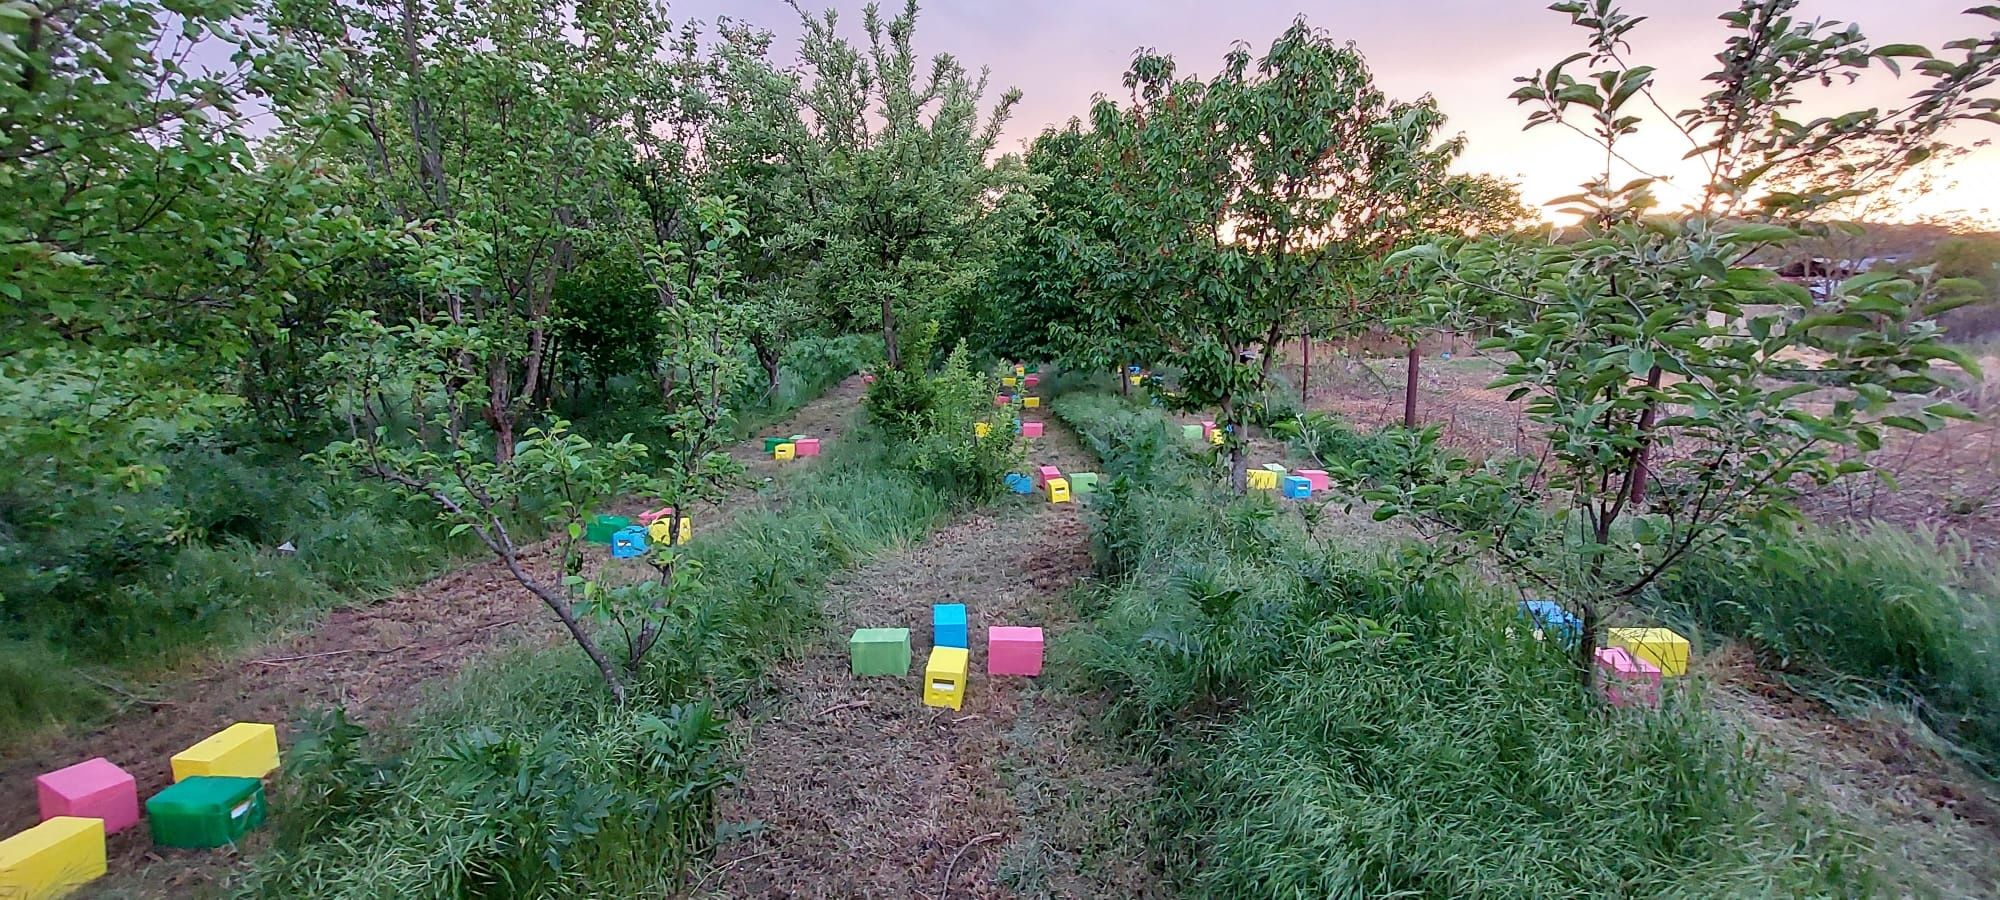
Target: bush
{"type": "Point", "coordinates": [1902, 612]}
{"type": "Point", "coordinates": [930, 423]}
{"type": "Point", "coordinates": [1330, 725]}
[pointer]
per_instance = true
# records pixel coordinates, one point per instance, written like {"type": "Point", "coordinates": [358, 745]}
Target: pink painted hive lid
{"type": "Point", "coordinates": [1014, 633]}
{"type": "Point", "coordinates": [84, 777]}
{"type": "Point", "coordinates": [1618, 660]}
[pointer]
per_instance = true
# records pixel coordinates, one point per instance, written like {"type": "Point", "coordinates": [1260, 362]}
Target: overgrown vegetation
{"type": "Point", "coordinates": [1907, 617]}
{"type": "Point", "coordinates": [1332, 724]}
{"type": "Point", "coordinates": [528, 779]}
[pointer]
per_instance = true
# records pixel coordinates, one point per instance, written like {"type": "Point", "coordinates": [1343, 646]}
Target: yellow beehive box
{"type": "Point", "coordinates": [1031, 402]}
{"type": "Point", "coordinates": [1058, 490]}
{"type": "Point", "coordinates": [1662, 647]}
{"type": "Point", "coordinates": [243, 750]}
{"type": "Point", "coordinates": [1215, 437]}
{"type": "Point", "coordinates": [670, 531]}
{"type": "Point", "coordinates": [1007, 381]}
{"type": "Point", "coordinates": [944, 677]}
{"type": "Point", "coordinates": [52, 859]}
{"type": "Point", "coordinates": [1262, 479]}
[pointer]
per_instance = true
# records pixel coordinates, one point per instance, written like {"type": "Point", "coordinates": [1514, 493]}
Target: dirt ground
{"type": "Point", "coordinates": [375, 660]}
{"type": "Point", "coordinates": [1934, 825]}
{"type": "Point", "coordinates": [853, 788]}
{"type": "Point", "coordinates": [1947, 481]}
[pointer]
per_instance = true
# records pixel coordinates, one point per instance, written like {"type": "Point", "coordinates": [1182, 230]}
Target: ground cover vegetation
{"type": "Point", "coordinates": [394, 285]}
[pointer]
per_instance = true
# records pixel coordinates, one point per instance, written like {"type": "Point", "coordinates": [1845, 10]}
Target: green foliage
{"type": "Point", "coordinates": [904, 146]}
{"type": "Point", "coordinates": [1901, 613]}
{"type": "Point", "coordinates": [1646, 348]}
{"type": "Point", "coordinates": [38, 687]}
{"type": "Point", "coordinates": [1329, 723]}
{"type": "Point", "coordinates": [527, 780]}
{"type": "Point", "coordinates": [930, 420]}
{"type": "Point", "coordinates": [1236, 203]}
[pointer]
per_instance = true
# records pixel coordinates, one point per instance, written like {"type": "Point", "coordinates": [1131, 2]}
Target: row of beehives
{"type": "Point", "coordinates": [217, 797]}
{"type": "Point", "coordinates": [1633, 664]}
{"type": "Point", "coordinates": [1010, 650]}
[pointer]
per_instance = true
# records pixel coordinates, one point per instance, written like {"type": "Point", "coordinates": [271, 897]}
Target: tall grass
{"type": "Point", "coordinates": [1330, 725]}
{"type": "Point", "coordinates": [1903, 613]}
{"type": "Point", "coordinates": [524, 779]}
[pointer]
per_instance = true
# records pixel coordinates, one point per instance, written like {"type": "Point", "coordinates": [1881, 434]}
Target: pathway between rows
{"type": "Point", "coordinates": [853, 788]}
{"type": "Point", "coordinates": [376, 660]}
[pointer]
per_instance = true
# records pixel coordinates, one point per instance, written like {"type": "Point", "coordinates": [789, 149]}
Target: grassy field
{"type": "Point", "coordinates": [1328, 725]}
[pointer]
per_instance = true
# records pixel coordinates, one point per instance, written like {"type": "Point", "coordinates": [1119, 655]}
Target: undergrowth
{"type": "Point", "coordinates": [525, 779]}
{"type": "Point", "coordinates": [1907, 616]}
{"type": "Point", "coordinates": [1327, 724]}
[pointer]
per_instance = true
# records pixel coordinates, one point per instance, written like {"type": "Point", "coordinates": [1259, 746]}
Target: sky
{"type": "Point", "coordinates": [1466, 53]}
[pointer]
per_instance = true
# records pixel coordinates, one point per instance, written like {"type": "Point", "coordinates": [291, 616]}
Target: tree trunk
{"type": "Point", "coordinates": [1233, 439]}
{"type": "Point", "coordinates": [1416, 358]}
{"type": "Point", "coordinates": [894, 353]}
{"type": "Point", "coordinates": [1305, 367]}
{"type": "Point", "coordinates": [1586, 645]}
{"type": "Point", "coordinates": [1644, 457]}
{"type": "Point", "coordinates": [560, 607]}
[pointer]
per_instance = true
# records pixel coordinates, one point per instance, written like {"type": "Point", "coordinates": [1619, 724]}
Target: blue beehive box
{"type": "Point", "coordinates": [628, 543]}
{"type": "Point", "coordinates": [1019, 483]}
{"type": "Point", "coordinates": [948, 625]}
{"type": "Point", "coordinates": [1297, 488]}
{"type": "Point", "coordinates": [1549, 615]}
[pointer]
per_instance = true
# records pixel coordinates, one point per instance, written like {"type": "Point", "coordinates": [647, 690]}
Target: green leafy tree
{"type": "Point", "coordinates": [905, 162]}
{"type": "Point", "coordinates": [1238, 199]}
{"type": "Point", "coordinates": [144, 243]}
{"type": "Point", "coordinates": [1649, 350]}
{"type": "Point", "coordinates": [488, 137]}
{"type": "Point", "coordinates": [439, 459]}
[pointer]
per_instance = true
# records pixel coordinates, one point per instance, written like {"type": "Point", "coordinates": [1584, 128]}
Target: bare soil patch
{"type": "Point", "coordinates": [376, 660]}
{"type": "Point", "coordinates": [853, 788]}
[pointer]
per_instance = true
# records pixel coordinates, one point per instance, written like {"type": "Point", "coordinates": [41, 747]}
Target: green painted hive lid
{"type": "Point", "coordinates": [200, 793]}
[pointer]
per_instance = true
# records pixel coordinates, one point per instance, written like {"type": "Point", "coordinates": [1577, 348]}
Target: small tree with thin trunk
{"type": "Point", "coordinates": [1648, 349]}
{"type": "Point", "coordinates": [1239, 201]}
{"type": "Point", "coordinates": [445, 457]}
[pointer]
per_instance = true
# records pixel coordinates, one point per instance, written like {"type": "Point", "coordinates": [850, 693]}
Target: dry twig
{"type": "Point", "coordinates": [982, 839]}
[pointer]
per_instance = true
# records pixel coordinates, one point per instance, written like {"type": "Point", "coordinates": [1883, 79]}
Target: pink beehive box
{"type": "Point", "coordinates": [92, 789]}
{"type": "Point", "coordinates": [1207, 429]}
{"type": "Point", "coordinates": [1031, 429]}
{"type": "Point", "coordinates": [1013, 650]}
{"type": "Point", "coordinates": [1316, 476]}
{"type": "Point", "coordinates": [806, 447]}
{"type": "Point", "coordinates": [1626, 680]}
{"type": "Point", "coordinates": [999, 399]}
{"type": "Point", "coordinates": [648, 518]}
{"type": "Point", "coordinates": [1031, 380]}
{"type": "Point", "coordinates": [1044, 473]}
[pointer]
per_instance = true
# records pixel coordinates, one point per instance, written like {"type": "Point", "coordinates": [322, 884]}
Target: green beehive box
{"type": "Point", "coordinates": [601, 529]}
{"type": "Point", "coordinates": [1191, 432]}
{"type": "Point", "coordinates": [1084, 482]}
{"type": "Point", "coordinates": [771, 444]}
{"type": "Point", "coordinates": [204, 811]}
{"type": "Point", "coordinates": [879, 651]}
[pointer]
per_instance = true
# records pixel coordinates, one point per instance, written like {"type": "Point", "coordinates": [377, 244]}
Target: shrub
{"type": "Point", "coordinates": [929, 422]}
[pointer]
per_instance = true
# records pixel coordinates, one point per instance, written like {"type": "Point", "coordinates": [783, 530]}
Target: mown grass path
{"type": "Point", "coordinates": [853, 788]}
{"type": "Point", "coordinates": [375, 660]}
